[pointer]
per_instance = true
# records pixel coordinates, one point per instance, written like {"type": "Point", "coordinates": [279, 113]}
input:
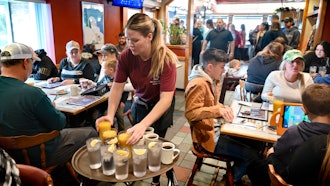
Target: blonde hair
{"type": "Point", "coordinates": [233, 63]}
{"type": "Point", "coordinates": [143, 24]}
{"type": "Point", "coordinates": [110, 63]}
{"type": "Point", "coordinates": [273, 49]}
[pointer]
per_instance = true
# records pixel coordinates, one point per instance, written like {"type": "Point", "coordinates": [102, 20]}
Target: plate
{"type": "Point", "coordinates": [61, 92]}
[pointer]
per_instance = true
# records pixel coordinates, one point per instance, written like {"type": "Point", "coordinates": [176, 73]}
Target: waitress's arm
{"type": "Point", "coordinates": [159, 109]}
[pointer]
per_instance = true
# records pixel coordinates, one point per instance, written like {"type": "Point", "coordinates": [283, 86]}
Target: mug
{"type": "Point", "coordinates": [150, 137]}
{"type": "Point", "coordinates": [74, 90]}
{"type": "Point", "coordinates": [169, 153]}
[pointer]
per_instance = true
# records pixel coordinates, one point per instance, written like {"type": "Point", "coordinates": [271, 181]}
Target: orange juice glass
{"type": "Point", "coordinates": [122, 140]}
{"type": "Point", "coordinates": [109, 137]}
{"type": "Point", "coordinates": [276, 107]}
{"type": "Point", "coordinates": [103, 126]}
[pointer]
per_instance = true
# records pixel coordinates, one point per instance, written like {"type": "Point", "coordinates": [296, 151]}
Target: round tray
{"type": "Point", "coordinates": [80, 164]}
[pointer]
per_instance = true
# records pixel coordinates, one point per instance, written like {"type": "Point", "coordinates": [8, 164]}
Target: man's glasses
{"type": "Point", "coordinates": [5, 54]}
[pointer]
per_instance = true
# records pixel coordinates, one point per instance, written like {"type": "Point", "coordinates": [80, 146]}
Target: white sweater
{"type": "Point", "coordinates": [284, 90]}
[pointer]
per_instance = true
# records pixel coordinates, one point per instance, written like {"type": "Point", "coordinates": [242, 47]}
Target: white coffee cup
{"type": "Point", "coordinates": [169, 153]}
{"type": "Point", "coordinates": [74, 90]}
{"type": "Point", "coordinates": [149, 130]}
{"type": "Point", "coordinates": [150, 137]}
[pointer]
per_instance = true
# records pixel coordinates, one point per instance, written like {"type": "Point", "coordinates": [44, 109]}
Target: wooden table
{"type": "Point", "coordinates": [61, 102]}
{"type": "Point", "coordinates": [80, 163]}
{"type": "Point", "coordinates": [251, 129]}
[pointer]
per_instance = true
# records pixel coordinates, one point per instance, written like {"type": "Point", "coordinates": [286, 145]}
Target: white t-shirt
{"type": "Point", "coordinates": [284, 90]}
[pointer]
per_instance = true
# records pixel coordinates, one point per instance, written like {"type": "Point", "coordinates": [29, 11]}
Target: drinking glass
{"type": "Point", "coordinates": [139, 160]}
{"type": "Point", "coordinates": [121, 156]}
{"type": "Point", "coordinates": [312, 69]}
{"type": "Point", "coordinates": [103, 126]}
{"type": "Point", "coordinates": [323, 71]}
{"type": "Point", "coordinates": [109, 137]}
{"type": "Point", "coordinates": [154, 155]}
{"type": "Point", "coordinates": [108, 165]}
{"type": "Point", "coordinates": [94, 152]}
{"type": "Point", "coordinates": [122, 140]}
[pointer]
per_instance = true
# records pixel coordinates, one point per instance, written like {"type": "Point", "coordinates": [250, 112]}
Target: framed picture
{"type": "Point", "coordinates": [93, 23]}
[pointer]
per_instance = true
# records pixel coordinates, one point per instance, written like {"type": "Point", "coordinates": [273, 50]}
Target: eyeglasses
{"type": "Point", "coordinates": [5, 54]}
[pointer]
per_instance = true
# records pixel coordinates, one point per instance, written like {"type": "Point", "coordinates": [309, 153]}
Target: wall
{"type": "Point", "coordinates": [67, 23]}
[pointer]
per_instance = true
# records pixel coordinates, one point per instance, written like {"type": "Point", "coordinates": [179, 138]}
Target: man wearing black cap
{"type": "Point", "coordinates": [291, 32]}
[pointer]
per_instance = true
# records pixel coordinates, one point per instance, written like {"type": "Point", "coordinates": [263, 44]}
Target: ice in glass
{"type": "Point", "coordinates": [108, 164]}
{"type": "Point", "coordinates": [121, 156]}
{"type": "Point", "coordinates": [94, 152]}
{"type": "Point", "coordinates": [139, 160]}
{"type": "Point", "coordinates": [154, 155]}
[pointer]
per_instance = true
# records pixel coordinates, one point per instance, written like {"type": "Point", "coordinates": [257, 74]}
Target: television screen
{"type": "Point", "coordinates": [128, 3]}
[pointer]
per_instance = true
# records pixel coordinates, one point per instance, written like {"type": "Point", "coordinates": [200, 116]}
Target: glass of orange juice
{"type": "Point", "coordinates": [109, 137]}
{"type": "Point", "coordinates": [122, 140]}
{"type": "Point", "coordinates": [103, 126]}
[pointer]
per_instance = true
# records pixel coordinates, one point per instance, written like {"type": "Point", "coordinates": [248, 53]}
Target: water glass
{"type": "Point", "coordinates": [139, 160]}
{"type": "Point", "coordinates": [323, 71]}
{"type": "Point", "coordinates": [312, 69]}
{"type": "Point", "coordinates": [108, 164]}
{"type": "Point", "coordinates": [94, 152]}
{"type": "Point", "coordinates": [121, 156]}
{"type": "Point", "coordinates": [154, 155]}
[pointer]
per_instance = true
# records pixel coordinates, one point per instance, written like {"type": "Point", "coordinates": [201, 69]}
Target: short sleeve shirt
{"type": "Point", "coordinates": [146, 88]}
{"type": "Point", "coordinates": [219, 39]}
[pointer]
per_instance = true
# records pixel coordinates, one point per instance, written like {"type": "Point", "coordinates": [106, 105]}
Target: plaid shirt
{"type": "Point", "coordinates": [9, 173]}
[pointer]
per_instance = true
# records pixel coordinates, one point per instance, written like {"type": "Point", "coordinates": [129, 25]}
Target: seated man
{"type": "Point", "coordinates": [44, 69]}
{"type": "Point", "coordinates": [316, 103]}
{"type": "Point", "coordinates": [203, 111]}
{"type": "Point", "coordinates": [26, 110]}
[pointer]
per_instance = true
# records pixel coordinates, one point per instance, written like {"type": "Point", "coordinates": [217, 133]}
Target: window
{"type": "Point", "coordinates": [25, 22]}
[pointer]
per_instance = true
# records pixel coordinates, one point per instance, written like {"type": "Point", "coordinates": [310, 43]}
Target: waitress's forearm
{"type": "Point", "coordinates": [159, 109]}
{"type": "Point", "coordinates": [114, 98]}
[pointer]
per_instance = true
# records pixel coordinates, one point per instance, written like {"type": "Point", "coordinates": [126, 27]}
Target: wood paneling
{"type": "Point", "coordinates": [67, 23]}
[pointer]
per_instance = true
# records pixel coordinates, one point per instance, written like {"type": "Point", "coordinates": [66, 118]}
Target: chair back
{"type": "Point", "coordinates": [228, 83]}
{"type": "Point", "coordinates": [275, 179]}
{"type": "Point", "coordinates": [24, 142]}
{"type": "Point", "coordinates": [31, 175]}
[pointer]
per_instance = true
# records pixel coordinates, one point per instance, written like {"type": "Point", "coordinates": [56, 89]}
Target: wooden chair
{"type": "Point", "coordinates": [200, 153]}
{"type": "Point", "coordinates": [275, 179]}
{"type": "Point", "coordinates": [31, 175]}
{"type": "Point", "coordinates": [24, 142]}
{"type": "Point", "coordinates": [228, 83]}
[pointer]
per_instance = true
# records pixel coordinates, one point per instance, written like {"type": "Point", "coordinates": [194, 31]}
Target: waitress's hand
{"type": "Point", "coordinates": [137, 131]}
{"type": "Point", "coordinates": [103, 118]}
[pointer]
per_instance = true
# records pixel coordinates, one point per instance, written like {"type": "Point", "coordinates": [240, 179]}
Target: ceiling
{"type": "Point", "coordinates": [258, 1]}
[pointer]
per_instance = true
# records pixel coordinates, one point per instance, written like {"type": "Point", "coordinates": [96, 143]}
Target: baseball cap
{"type": "Point", "coordinates": [288, 19]}
{"type": "Point", "coordinates": [72, 45]}
{"type": "Point", "coordinates": [18, 51]}
{"type": "Point", "coordinates": [108, 48]}
{"type": "Point", "coordinates": [291, 55]}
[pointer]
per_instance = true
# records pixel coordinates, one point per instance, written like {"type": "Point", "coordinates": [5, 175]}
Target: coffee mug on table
{"type": "Point", "coordinates": [169, 153]}
{"type": "Point", "coordinates": [74, 90]}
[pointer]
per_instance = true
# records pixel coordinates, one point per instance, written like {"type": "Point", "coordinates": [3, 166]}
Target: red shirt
{"type": "Point", "coordinates": [147, 89]}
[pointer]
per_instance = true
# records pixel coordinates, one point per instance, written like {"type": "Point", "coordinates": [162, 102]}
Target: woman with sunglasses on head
{"type": "Point", "coordinates": [289, 82]}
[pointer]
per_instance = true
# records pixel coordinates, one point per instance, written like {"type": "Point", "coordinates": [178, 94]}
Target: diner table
{"type": "Point", "coordinates": [249, 128]}
{"type": "Point", "coordinates": [62, 99]}
{"type": "Point", "coordinates": [80, 164]}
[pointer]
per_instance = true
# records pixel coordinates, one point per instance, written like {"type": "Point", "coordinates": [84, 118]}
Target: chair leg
{"type": "Point", "coordinates": [198, 164]}
{"type": "Point", "coordinates": [230, 175]}
{"type": "Point", "coordinates": [72, 172]}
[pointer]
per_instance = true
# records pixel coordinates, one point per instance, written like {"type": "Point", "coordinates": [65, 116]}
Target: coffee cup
{"type": "Point", "coordinates": [150, 137]}
{"type": "Point", "coordinates": [74, 90]}
{"type": "Point", "coordinates": [149, 130]}
{"type": "Point", "coordinates": [169, 153]}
